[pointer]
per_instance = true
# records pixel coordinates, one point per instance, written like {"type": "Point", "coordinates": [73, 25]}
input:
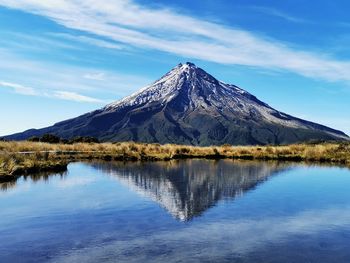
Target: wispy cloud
{"type": "Point", "coordinates": [89, 40]}
{"type": "Point", "coordinates": [60, 81]}
{"type": "Point", "coordinates": [277, 13]}
{"type": "Point", "coordinates": [19, 89]}
{"type": "Point", "coordinates": [95, 76]}
{"type": "Point", "coordinates": [34, 42]}
{"type": "Point", "coordinates": [68, 95]}
{"type": "Point", "coordinates": [64, 95]}
{"type": "Point", "coordinates": [54, 41]}
{"type": "Point", "coordinates": [164, 29]}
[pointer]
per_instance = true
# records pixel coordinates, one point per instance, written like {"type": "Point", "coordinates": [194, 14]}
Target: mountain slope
{"type": "Point", "coordinates": [189, 106]}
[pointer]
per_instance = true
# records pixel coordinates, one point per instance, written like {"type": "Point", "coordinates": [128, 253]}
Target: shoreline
{"type": "Point", "coordinates": [22, 158]}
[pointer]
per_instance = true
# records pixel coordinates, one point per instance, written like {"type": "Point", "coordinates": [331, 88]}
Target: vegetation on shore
{"type": "Point", "coordinates": [50, 138]}
{"type": "Point", "coordinates": [18, 158]}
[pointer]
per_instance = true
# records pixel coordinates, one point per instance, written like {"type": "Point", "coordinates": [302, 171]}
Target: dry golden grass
{"type": "Point", "coordinates": [23, 157]}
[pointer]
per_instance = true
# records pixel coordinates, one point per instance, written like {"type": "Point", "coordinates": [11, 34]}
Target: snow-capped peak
{"type": "Point", "coordinates": [198, 85]}
{"type": "Point", "coordinates": [187, 66]}
{"type": "Point", "coordinates": [160, 88]}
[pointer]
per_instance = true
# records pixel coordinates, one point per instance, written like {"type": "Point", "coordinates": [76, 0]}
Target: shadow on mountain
{"type": "Point", "coordinates": [188, 188]}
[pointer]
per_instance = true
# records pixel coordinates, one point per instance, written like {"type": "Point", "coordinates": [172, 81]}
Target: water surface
{"type": "Point", "coordinates": [178, 211]}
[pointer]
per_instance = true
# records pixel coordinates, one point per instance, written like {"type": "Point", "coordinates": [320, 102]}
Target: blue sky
{"type": "Point", "coordinates": [62, 58]}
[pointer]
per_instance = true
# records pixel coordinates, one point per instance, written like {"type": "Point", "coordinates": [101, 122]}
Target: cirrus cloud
{"type": "Point", "coordinates": [167, 30]}
{"type": "Point", "coordinates": [18, 88]}
{"type": "Point", "coordinates": [68, 95]}
{"type": "Point", "coordinates": [64, 95]}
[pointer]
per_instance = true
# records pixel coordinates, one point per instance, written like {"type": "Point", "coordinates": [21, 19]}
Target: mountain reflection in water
{"type": "Point", "coordinates": [188, 188]}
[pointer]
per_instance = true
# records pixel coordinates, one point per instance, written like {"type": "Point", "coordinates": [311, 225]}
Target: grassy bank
{"type": "Point", "coordinates": [25, 157]}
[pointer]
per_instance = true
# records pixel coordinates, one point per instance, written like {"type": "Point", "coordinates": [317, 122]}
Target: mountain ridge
{"type": "Point", "coordinates": [189, 106]}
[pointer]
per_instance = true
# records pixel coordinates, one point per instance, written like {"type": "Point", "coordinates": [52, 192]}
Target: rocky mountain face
{"type": "Point", "coordinates": [189, 106]}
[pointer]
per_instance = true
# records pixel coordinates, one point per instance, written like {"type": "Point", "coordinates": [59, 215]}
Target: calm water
{"type": "Point", "coordinates": [178, 211]}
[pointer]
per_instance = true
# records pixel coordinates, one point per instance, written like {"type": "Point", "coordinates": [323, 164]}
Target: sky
{"type": "Point", "coordinates": [62, 58]}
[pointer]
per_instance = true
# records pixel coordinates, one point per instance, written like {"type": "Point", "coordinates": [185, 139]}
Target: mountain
{"type": "Point", "coordinates": [189, 106]}
{"type": "Point", "coordinates": [188, 188]}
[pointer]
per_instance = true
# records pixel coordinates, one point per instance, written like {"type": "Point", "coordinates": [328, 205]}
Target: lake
{"type": "Point", "coordinates": [178, 211]}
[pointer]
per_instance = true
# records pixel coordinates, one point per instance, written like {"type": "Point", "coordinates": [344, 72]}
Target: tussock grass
{"type": "Point", "coordinates": [25, 157]}
{"type": "Point", "coordinates": [13, 164]}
